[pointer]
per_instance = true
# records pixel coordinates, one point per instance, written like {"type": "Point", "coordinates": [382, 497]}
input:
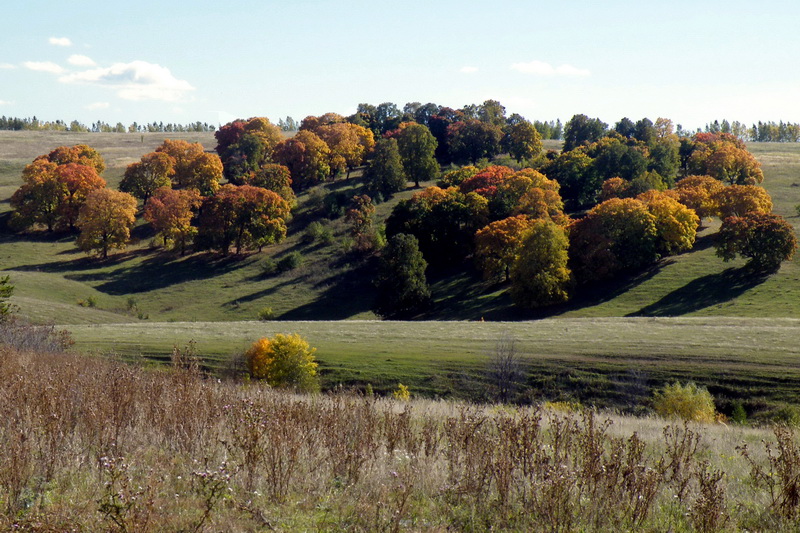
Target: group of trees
{"type": "Point", "coordinates": [34, 124]}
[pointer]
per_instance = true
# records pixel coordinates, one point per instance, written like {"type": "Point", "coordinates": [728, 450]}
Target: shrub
{"type": "Point", "coordinates": [269, 266]}
{"type": "Point", "coordinates": [284, 361]}
{"type": "Point", "coordinates": [401, 393]}
{"type": "Point", "coordinates": [289, 262]}
{"type": "Point", "coordinates": [688, 402]}
{"type": "Point", "coordinates": [266, 313]}
{"type": "Point", "coordinates": [313, 232]}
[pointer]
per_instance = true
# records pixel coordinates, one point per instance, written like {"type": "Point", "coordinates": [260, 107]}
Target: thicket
{"type": "Point", "coordinates": [92, 444]}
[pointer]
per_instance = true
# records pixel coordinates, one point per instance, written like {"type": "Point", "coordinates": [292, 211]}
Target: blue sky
{"type": "Point", "coordinates": [691, 61]}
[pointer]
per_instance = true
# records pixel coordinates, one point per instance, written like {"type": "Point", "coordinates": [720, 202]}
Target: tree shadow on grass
{"type": "Point", "coordinates": [164, 270]}
{"type": "Point", "coordinates": [83, 263]}
{"type": "Point", "coordinates": [703, 292]}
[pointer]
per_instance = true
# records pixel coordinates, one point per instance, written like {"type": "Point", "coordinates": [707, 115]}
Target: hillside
{"type": "Point", "coordinates": [52, 276]}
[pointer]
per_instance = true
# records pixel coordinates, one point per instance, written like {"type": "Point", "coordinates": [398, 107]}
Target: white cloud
{"type": "Point", "coordinates": [7, 66]}
{"type": "Point", "coordinates": [44, 66]}
{"type": "Point", "coordinates": [98, 105]}
{"type": "Point", "coordinates": [469, 70]}
{"type": "Point", "coordinates": [60, 41]}
{"type": "Point", "coordinates": [5, 102]}
{"type": "Point", "coordinates": [81, 61]}
{"type": "Point", "coordinates": [138, 80]}
{"type": "Point", "coordinates": [540, 68]}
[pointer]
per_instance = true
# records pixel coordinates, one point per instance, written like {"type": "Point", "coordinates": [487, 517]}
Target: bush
{"type": "Point", "coordinates": [289, 262]}
{"type": "Point", "coordinates": [269, 266]}
{"type": "Point", "coordinates": [266, 313]}
{"type": "Point", "coordinates": [317, 232]}
{"type": "Point", "coordinates": [402, 393]}
{"type": "Point", "coordinates": [688, 402]}
{"type": "Point", "coordinates": [284, 361]}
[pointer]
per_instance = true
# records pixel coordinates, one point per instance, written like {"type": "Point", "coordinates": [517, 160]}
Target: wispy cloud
{"type": "Point", "coordinates": [469, 70]}
{"type": "Point", "coordinates": [44, 66]}
{"type": "Point", "coordinates": [138, 80]}
{"type": "Point", "coordinates": [60, 41]}
{"type": "Point", "coordinates": [81, 61]}
{"type": "Point", "coordinates": [540, 68]}
{"type": "Point", "coordinates": [98, 105]}
{"type": "Point", "coordinates": [8, 66]}
{"type": "Point", "coordinates": [5, 102]}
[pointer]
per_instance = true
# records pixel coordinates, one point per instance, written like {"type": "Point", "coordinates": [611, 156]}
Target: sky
{"type": "Point", "coordinates": [692, 61]}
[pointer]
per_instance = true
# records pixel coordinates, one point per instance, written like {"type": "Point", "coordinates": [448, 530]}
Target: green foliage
{"type": "Point", "coordinates": [687, 402]}
{"type": "Point", "coordinates": [738, 414]}
{"type": "Point", "coordinates": [539, 275]}
{"type": "Point", "coordinates": [317, 232]}
{"type": "Point", "coordinates": [417, 147]}
{"type": "Point", "coordinates": [265, 314]}
{"type": "Point", "coordinates": [289, 262]}
{"type": "Point", "coordinates": [385, 175]}
{"type": "Point", "coordinates": [6, 290]}
{"type": "Point", "coordinates": [284, 361]}
{"type": "Point", "coordinates": [401, 283]}
{"type": "Point", "coordinates": [581, 129]}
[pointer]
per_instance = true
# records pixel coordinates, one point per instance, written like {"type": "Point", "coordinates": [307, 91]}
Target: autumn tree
{"type": "Point", "coordinates": [244, 146]}
{"type": "Point", "coordinates": [105, 221]}
{"type": "Point", "coordinates": [540, 275]}
{"type": "Point", "coordinates": [349, 145]}
{"type": "Point", "coordinates": [273, 177]}
{"type": "Point", "coordinates": [766, 239]}
{"type": "Point", "coordinates": [521, 140]}
{"type": "Point", "coordinates": [402, 289]}
{"type": "Point", "coordinates": [307, 157]}
{"type": "Point", "coordinates": [284, 361]}
{"type": "Point", "coordinates": [575, 171]}
{"type": "Point", "coordinates": [616, 235]}
{"type": "Point", "coordinates": [170, 212]}
{"type": "Point", "coordinates": [152, 172]}
{"type": "Point", "coordinates": [81, 154]}
{"type": "Point", "coordinates": [193, 167]}
{"type": "Point", "coordinates": [725, 158]}
{"type": "Point", "coordinates": [486, 181]}
{"type": "Point", "coordinates": [384, 174]}
{"type": "Point", "coordinates": [498, 244]}
{"type": "Point", "coordinates": [511, 196]}
{"type": "Point", "coordinates": [738, 200]}
{"type": "Point", "coordinates": [244, 217]}
{"type": "Point", "coordinates": [52, 194]}
{"type": "Point", "coordinates": [457, 176]}
{"type": "Point", "coordinates": [417, 151]}
{"type": "Point", "coordinates": [676, 224]}
{"type": "Point", "coordinates": [698, 193]}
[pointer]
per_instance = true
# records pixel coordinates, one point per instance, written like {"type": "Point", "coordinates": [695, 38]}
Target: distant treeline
{"type": "Point", "coordinates": [783, 132]}
{"type": "Point", "coordinates": [34, 124]}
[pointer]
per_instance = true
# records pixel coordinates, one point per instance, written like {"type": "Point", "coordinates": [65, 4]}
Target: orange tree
{"type": "Point", "coordinates": [497, 245]}
{"type": "Point", "coordinates": [765, 239]}
{"type": "Point", "coordinates": [170, 212]}
{"type": "Point", "coordinates": [307, 157]}
{"type": "Point", "coordinates": [152, 172]}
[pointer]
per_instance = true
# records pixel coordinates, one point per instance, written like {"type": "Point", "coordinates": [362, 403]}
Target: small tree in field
{"type": "Point", "coordinates": [6, 290]}
{"type": "Point", "coordinates": [688, 402]}
{"type": "Point", "coordinates": [765, 239]}
{"type": "Point", "coordinates": [284, 361]}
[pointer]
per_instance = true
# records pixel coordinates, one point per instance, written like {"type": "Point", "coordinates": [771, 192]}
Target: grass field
{"type": "Point", "coordinates": [736, 332]}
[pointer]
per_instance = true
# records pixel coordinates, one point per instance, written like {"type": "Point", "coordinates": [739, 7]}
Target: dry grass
{"type": "Point", "coordinates": [92, 444]}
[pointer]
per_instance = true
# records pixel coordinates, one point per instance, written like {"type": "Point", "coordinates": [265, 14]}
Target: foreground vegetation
{"type": "Point", "coordinates": [92, 444]}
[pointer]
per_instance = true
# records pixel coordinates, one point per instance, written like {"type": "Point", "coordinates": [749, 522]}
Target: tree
{"type": "Point", "coordinates": [574, 170]}
{"type": "Point", "coordinates": [515, 195]}
{"type": "Point", "coordinates": [242, 216]}
{"type": "Point", "coordinates": [360, 216]}
{"type": "Point", "coordinates": [471, 140]}
{"type": "Point", "coordinates": [699, 193]}
{"type": "Point", "coordinates": [766, 239]}
{"type": "Point", "coordinates": [498, 244]}
{"type": "Point", "coordinates": [349, 144]}
{"type": "Point", "coordinates": [193, 168]}
{"type": "Point", "coordinates": [105, 221]}
{"type": "Point", "coordinates": [723, 157]}
{"type": "Point", "coordinates": [738, 200]}
{"type": "Point", "coordinates": [676, 224]}
{"type": "Point", "coordinates": [580, 130]}
{"type": "Point", "coordinates": [539, 275]}
{"type": "Point", "coordinates": [457, 176]}
{"type": "Point", "coordinates": [81, 154]}
{"type": "Point", "coordinates": [504, 368]}
{"type": "Point", "coordinates": [171, 212]}
{"type": "Point", "coordinates": [417, 148]}
{"type": "Point", "coordinates": [307, 157]}
{"type": "Point", "coordinates": [486, 181]}
{"type": "Point", "coordinates": [152, 172]}
{"type": "Point", "coordinates": [402, 289]}
{"type": "Point", "coordinates": [521, 141]}
{"type": "Point", "coordinates": [244, 146]}
{"type": "Point", "coordinates": [273, 177]}
{"type": "Point", "coordinates": [384, 174]}
{"type": "Point", "coordinates": [284, 361]}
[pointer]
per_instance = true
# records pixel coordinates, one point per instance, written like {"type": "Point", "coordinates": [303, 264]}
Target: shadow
{"type": "Point", "coordinates": [164, 270]}
{"type": "Point", "coordinates": [704, 242]}
{"type": "Point", "coordinates": [83, 263]}
{"type": "Point", "coordinates": [704, 292]}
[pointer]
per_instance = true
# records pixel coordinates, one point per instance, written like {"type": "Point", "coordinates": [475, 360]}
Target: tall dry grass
{"type": "Point", "coordinates": [92, 444]}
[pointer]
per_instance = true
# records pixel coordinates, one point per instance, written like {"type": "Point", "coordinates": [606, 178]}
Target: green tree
{"type": "Point", "coordinates": [152, 172]}
{"type": "Point", "coordinates": [766, 239]}
{"type": "Point", "coordinates": [284, 361]}
{"type": "Point", "coordinates": [472, 140]}
{"type": "Point", "coordinates": [384, 174]}
{"type": "Point", "coordinates": [6, 290]}
{"type": "Point", "coordinates": [417, 148]}
{"type": "Point", "coordinates": [580, 130]}
{"type": "Point", "coordinates": [402, 289]}
{"type": "Point", "coordinates": [539, 275]}
{"type": "Point", "coordinates": [521, 141]}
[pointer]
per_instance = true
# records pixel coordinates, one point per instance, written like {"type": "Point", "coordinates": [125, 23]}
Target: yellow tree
{"type": "Point", "coordinates": [698, 193]}
{"type": "Point", "coordinates": [105, 221]}
{"type": "Point", "coordinates": [497, 245]}
{"type": "Point", "coordinates": [738, 200]}
{"type": "Point", "coordinates": [676, 224]}
{"type": "Point", "coordinates": [540, 275]}
{"type": "Point", "coordinates": [193, 167]}
{"type": "Point", "coordinates": [284, 361]}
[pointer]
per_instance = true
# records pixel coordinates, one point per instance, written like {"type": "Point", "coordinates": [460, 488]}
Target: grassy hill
{"type": "Point", "coordinates": [143, 301]}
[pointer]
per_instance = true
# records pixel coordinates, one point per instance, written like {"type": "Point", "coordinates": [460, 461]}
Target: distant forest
{"type": "Point", "coordinates": [759, 132]}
